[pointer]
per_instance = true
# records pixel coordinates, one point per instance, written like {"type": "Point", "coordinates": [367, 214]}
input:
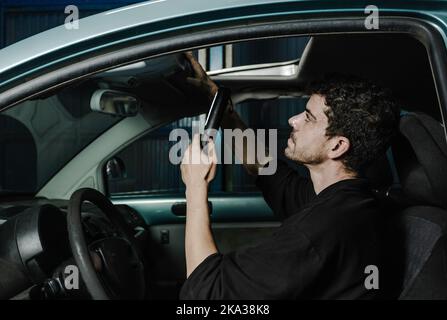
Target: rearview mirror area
{"type": "Point", "coordinates": [115, 102]}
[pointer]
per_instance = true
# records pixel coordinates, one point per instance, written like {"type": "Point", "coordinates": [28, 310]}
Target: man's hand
{"type": "Point", "coordinates": [231, 119]}
{"type": "Point", "coordinates": [198, 168]}
{"type": "Point", "coordinates": [200, 79]}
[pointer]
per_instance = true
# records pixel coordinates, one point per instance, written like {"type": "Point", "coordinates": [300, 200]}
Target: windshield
{"type": "Point", "coordinates": [39, 137]}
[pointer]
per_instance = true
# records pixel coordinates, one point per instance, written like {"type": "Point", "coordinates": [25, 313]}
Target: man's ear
{"type": "Point", "coordinates": [338, 146]}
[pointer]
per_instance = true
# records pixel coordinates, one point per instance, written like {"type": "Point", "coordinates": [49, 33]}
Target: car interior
{"type": "Point", "coordinates": [36, 242]}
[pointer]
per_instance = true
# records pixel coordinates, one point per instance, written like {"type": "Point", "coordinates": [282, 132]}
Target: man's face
{"type": "Point", "coordinates": [308, 143]}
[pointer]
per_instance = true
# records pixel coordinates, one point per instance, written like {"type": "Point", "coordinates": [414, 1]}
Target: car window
{"type": "Point", "coordinates": [145, 165]}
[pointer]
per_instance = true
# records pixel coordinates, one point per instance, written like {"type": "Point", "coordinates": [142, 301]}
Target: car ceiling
{"type": "Point", "coordinates": [396, 61]}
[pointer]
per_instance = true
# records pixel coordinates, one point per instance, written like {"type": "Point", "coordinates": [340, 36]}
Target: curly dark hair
{"type": "Point", "coordinates": [361, 111]}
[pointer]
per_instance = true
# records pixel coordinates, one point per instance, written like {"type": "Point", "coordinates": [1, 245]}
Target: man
{"type": "Point", "coordinates": [330, 238]}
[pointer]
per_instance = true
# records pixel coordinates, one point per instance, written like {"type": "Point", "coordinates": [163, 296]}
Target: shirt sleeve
{"type": "Point", "coordinates": [283, 267]}
{"type": "Point", "coordinates": [285, 191]}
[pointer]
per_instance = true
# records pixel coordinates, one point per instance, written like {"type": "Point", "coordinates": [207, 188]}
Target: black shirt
{"type": "Point", "coordinates": [320, 251]}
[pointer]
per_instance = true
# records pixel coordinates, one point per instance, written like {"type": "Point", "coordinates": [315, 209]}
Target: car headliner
{"type": "Point", "coordinates": [128, 17]}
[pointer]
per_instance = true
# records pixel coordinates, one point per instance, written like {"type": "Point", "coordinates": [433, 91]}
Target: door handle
{"type": "Point", "coordinates": [179, 208]}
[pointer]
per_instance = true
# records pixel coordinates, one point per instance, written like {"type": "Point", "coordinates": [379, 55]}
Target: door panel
{"type": "Point", "coordinates": [238, 220]}
{"type": "Point", "coordinates": [167, 251]}
{"type": "Point", "coordinates": [226, 207]}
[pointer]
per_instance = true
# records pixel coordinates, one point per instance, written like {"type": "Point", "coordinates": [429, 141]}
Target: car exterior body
{"type": "Point", "coordinates": [61, 56]}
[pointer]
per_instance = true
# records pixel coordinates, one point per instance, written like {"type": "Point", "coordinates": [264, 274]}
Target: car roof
{"type": "Point", "coordinates": [135, 15]}
{"type": "Point", "coordinates": [109, 22]}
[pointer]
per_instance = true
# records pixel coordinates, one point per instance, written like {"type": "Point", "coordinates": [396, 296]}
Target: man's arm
{"type": "Point", "coordinates": [251, 163]}
{"type": "Point", "coordinates": [285, 191]}
{"type": "Point", "coordinates": [198, 170]}
{"type": "Point", "coordinates": [199, 242]}
{"type": "Point", "coordinates": [231, 119]}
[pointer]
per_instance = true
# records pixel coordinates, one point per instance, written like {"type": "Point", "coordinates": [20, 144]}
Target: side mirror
{"type": "Point", "coordinates": [115, 102]}
{"type": "Point", "coordinates": [115, 169]}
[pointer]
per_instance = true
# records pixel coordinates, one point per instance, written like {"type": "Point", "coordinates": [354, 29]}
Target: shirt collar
{"type": "Point", "coordinates": [346, 184]}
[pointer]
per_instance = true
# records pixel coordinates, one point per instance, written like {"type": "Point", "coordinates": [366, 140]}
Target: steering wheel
{"type": "Point", "coordinates": [112, 267]}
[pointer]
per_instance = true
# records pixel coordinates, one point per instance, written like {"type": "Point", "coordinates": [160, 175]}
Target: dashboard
{"type": "Point", "coordinates": [34, 242]}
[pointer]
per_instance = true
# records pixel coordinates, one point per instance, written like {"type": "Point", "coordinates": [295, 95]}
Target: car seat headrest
{"type": "Point", "coordinates": [420, 154]}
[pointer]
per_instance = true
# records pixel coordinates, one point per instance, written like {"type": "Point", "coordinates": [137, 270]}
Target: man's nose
{"type": "Point", "coordinates": [293, 121]}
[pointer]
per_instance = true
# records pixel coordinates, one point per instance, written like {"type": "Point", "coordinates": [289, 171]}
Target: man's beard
{"type": "Point", "coordinates": [305, 158]}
